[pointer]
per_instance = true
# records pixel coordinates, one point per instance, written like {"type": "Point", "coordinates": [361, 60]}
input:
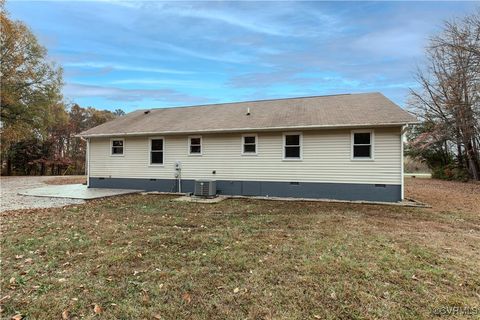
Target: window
{"type": "Point", "coordinates": [156, 151]}
{"type": "Point", "coordinates": [292, 146]}
{"type": "Point", "coordinates": [116, 147]}
{"type": "Point", "coordinates": [195, 145]}
{"type": "Point", "coordinates": [249, 144]}
{"type": "Point", "coordinates": [362, 145]}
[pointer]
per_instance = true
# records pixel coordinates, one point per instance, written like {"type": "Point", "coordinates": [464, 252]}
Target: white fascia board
{"type": "Point", "coordinates": [312, 127]}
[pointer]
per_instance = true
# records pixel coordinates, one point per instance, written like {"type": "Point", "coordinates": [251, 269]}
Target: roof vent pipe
{"type": "Point", "coordinates": [248, 111]}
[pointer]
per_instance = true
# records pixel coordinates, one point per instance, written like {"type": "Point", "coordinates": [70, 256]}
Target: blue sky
{"type": "Point", "coordinates": [156, 54]}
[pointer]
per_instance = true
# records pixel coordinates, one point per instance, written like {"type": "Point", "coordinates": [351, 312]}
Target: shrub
{"type": "Point", "coordinates": [450, 172]}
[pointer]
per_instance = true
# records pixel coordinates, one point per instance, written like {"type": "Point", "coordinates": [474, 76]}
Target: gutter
{"type": "Point", "coordinates": [311, 127]}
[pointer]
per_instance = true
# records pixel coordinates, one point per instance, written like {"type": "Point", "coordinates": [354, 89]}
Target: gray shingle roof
{"type": "Point", "coordinates": [347, 110]}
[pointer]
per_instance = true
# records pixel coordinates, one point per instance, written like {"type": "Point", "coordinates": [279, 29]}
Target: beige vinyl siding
{"type": "Point", "coordinates": [326, 158]}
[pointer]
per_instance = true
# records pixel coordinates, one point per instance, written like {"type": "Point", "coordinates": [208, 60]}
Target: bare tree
{"type": "Point", "coordinates": [450, 90]}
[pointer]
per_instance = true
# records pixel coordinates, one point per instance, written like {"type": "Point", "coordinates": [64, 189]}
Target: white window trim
{"type": "Point", "coordinates": [243, 153]}
{"type": "Point", "coordinates": [285, 134]}
{"type": "Point", "coordinates": [150, 164]}
{"type": "Point", "coordinates": [189, 145]}
{"type": "Point", "coordinates": [372, 144]}
{"type": "Point", "coordinates": [111, 147]}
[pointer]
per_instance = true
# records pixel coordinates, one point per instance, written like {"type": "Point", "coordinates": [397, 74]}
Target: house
{"type": "Point", "coordinates": [347, 146]}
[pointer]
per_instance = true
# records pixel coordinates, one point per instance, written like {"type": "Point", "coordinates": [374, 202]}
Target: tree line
{"type": "Point", "coordinates": [448, 102]}
{"type": "Point", "coordinates": [38, 129]}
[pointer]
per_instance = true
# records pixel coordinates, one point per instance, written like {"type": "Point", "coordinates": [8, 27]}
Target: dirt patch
{"type": "Point", "coordinates": [66, 180]}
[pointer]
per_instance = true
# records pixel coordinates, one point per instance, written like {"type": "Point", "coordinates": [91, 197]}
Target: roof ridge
{"type": "Point", "coordinates": [260, 100]}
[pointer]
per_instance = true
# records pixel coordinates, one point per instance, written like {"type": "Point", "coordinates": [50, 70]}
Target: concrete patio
{"type": "Point", "coordinates": [75, 191]}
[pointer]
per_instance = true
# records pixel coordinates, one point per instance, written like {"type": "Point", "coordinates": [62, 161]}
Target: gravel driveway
{"type": "Point", "coordinates": [11, 200]}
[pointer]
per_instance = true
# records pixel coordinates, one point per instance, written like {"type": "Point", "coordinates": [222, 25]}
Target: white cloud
{"type": "Point", "coordinates": [113, 66]}
{"type": "Point", "coordinates": [280, 19]}
{"type": "Point", "coordinates": [395, 42]}
{"type": "Point", "coordinates": [168, 82]}
{"type": "Point", "coordinates": [79, 90]}
{"type": "Point", "coordinates": [230, 57]}
{"type": "Point", "coordinates": [231, 18]}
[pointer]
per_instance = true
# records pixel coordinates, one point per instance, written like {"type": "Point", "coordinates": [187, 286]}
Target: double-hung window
{"type": "Point", "coordinates": [195, 145]}
{"type": "Point", "coordinates": [156, 151]}
{"type": "Point", "coordinates": [249, 144]}
{"type": "Point", "coordinates": [362, 145]}
{"type": "Point", "coordinates": [116, 147]}
{"type": "Point", "coordinates": [292, 146]}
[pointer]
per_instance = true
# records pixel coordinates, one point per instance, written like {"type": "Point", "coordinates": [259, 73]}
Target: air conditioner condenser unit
{"type": "Point", "coordinates": [205, 188]}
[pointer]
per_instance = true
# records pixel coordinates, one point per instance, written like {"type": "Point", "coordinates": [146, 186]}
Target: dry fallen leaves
{"type": "Point", "coordinates": [186, 297]}
{"type": "Point", "coordinates": [236, 290]}
{"type": "Point", "coordinates": [97, 309]}
{"type": "Point", "coordinates": [65, 315]}
{"type": "Point", "coordinates": [145, 297]}
{"type": "Point", "coordinates": [17, 317]}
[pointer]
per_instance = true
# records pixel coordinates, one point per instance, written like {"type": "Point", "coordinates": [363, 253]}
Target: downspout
{"type": "Point", "coordinates": [87, 168]}
{"type": "Point", "coordinates": [87, 161]}
{"type": "Point", "coordinates": [402, 135]}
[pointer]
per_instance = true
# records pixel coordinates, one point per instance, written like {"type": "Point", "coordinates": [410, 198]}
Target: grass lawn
{"type": "Point", "coordinates": [147, 257]}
